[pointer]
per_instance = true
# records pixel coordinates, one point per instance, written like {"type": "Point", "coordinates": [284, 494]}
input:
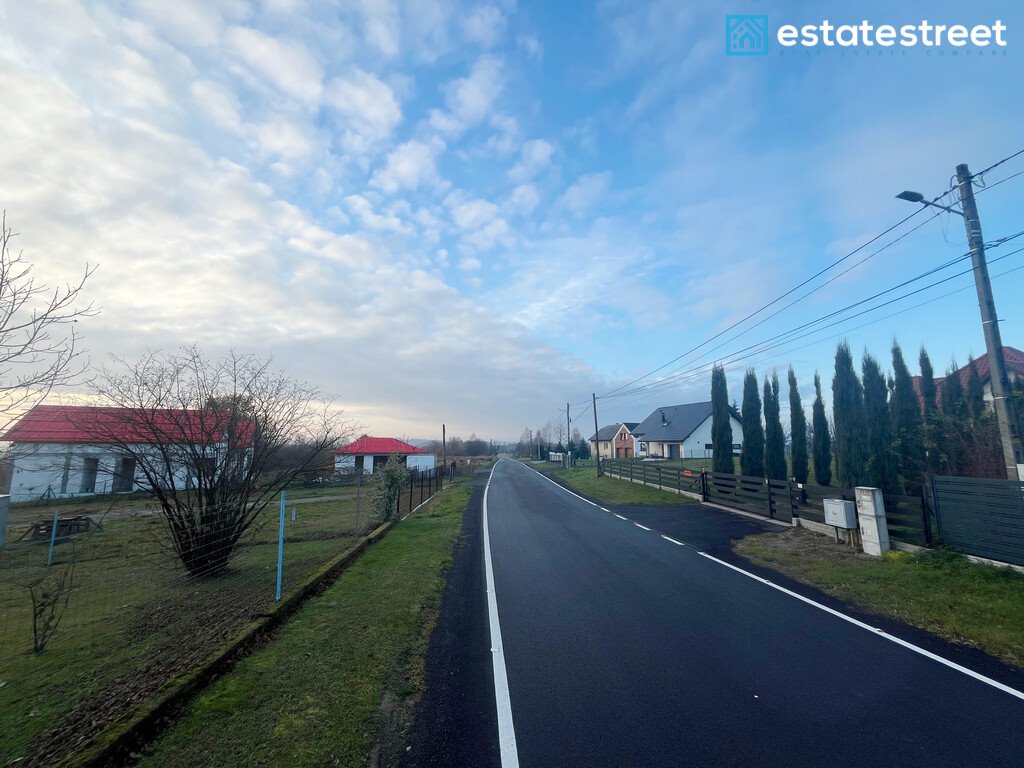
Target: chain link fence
{"type": "Point", "coordinates": [98, 611]}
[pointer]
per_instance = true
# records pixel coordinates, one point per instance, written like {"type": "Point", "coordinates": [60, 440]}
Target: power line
{"type": "Point", "coordinates": [808, 326]}
{"type": "Point", "coordinates": [811, 279]}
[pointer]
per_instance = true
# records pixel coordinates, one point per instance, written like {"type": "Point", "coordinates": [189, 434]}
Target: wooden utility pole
{"type": "Point", "coordinates": [568, 437]}
{"type": "Point", "coordinates": [597, 436]}
{"type": "Point", "coordinates": [1005, 414]}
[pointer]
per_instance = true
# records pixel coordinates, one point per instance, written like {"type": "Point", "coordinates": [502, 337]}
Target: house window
{"type": "Point", "coordinates": [124, 477]}
{"type": "Point", "coordinates": [90, 468]}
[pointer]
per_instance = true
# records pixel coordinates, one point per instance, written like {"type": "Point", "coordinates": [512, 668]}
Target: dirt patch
{"type": "Point", "coordinates": [799, 541]}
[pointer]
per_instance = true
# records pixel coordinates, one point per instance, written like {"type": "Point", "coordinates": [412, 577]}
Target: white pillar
{"type": "Point", "coordinates": [874, 535]}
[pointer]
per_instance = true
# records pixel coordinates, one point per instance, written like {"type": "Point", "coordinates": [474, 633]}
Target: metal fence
{"type": "Point", "coordinates": [98, 611]}
{"type": "Point", "coordinates": [980, 516]}
{"type": "Point", "coordinates": [908, 517]}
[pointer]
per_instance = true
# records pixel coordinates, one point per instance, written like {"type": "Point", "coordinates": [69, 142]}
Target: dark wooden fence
{"type": "Point", "coordinates": [980, 516]}
{"type": "Point", "coordinates": [908, 517]}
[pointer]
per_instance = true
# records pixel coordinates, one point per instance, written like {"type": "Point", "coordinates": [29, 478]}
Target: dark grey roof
{"type": "Point", "coordinates": [607, 433]}
{"type": "Point", "coordinates": [673, 422]}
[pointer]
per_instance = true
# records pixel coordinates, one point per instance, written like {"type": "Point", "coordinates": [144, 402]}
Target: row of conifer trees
{"type": "Point", "coordinates": [882, 433]}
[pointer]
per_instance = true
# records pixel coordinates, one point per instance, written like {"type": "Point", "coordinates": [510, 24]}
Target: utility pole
{"type": "Point", "coordinates": [597, 436]}
{"type": "Point", "coordinates": [444, 448]}
{"type": "Point", "coordinates": [568, 437]}
{"type": "Point", "coordinates": [1005, 414]}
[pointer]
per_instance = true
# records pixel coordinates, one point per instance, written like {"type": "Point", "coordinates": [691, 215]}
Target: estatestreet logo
{"type": "Point", "coordinates": [748, 35]}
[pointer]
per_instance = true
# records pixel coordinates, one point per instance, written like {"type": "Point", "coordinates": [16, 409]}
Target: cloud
{"type": "Point", "coordinates": [470, 99]}
{"type": "Point", "coordinates": [469, 264]}
{"type": "Point", "coordinates": [288, 65]}
{"type": "Point", "coordinates": [586, 192]}
{"type": "Point", "coordinates": [532, 45]}
{"type": "Point", "coordinates": [368, 108]}
{"type": "Point", "coordinates": [284, 139]}
{"type": "Point", "coordinates": [484, 25]}
{"type": "Point", "coordinates": [218, 104]}
{"type": "Point", "coordinates": [524, 199]}
{"type": "Point", "coordinates": [409, 166]}
{"type": "Point", "coordinates": [381, 25]}
{"type": "Point", "coordinates": [480, 221]}
{"type": "Point", "coordinates": [194, 247]}
{"type": "Point", "coordinates": [363, 209]}
{"type": "Point", "coordinates": [185, 22]}
{"type": "Point", "coordinates": [536, 154]}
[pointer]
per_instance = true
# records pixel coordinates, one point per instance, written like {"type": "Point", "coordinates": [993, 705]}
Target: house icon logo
{"type": "Point", "coordinates": [746, 35]}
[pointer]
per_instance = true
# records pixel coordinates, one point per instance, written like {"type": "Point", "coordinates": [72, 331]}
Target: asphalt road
{"type": "Point", "coordinates": [623, 648]}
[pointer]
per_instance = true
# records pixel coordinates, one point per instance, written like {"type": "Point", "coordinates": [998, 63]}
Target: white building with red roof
{"type": "Point", "coordinates": [367, 452]}
{"type": "Point", "coordinates": [59, 450]}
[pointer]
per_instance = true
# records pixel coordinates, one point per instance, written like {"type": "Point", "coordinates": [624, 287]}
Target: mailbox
{"type": "Point", "coordinates": [840, 513]}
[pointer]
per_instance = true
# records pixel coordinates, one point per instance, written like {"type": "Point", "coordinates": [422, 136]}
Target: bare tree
{"type": "Point", "coordinates": [39, 347]}
{"type": "Point", "coordinates": [214, 440]}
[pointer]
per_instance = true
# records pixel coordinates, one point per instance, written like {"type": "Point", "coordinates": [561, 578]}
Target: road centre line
{"type": "Point", "coordinates": [674, 541]}
{"type": "Point", "coordinates": [506, 730]}
{"type": "Point", "coordinates": [618, 515]}
{"type": "Point", "coordinates": [641, 526]}
{"type": "Point", "coordinates": [874, 630]}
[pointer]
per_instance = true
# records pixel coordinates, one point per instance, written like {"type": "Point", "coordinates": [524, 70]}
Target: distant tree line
{"type": "Point", "coordinates": [883, 432]}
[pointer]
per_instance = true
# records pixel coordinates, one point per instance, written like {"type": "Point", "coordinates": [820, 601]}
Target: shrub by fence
{"type": "Point", "coordinates": [97, 613]}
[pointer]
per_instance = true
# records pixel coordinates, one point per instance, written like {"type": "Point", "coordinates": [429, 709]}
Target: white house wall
{"type": "Point", "coordinates": [39, 468]}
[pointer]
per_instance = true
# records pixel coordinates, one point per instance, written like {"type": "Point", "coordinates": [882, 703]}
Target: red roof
{"type": "Point", "coordinates": [1012, 356]}
{"type": "Point", "coordinates": [100, 425]}
{"type": "Point", "coordinates": [378, 446]}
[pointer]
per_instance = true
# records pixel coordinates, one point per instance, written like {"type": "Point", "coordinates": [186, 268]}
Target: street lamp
{"type": "Point", "coordinates": [989, 322]}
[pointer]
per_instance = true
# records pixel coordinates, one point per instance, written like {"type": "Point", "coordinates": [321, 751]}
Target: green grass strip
{"type": "Point", "coordinates": [611, 490]}
{"type": "Point", "coordinates": [310, 697]}
{"type": "Point", "coordinates": [938, 590]}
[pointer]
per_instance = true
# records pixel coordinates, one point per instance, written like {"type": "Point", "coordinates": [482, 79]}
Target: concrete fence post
{"type": "Point", "coordinates": [874, 534]}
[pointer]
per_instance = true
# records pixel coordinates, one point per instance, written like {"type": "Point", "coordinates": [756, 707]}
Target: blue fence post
{"type": "Point", "coordinates": [53, 536]}
{"type": "Point", "coordinates": [280, 549]}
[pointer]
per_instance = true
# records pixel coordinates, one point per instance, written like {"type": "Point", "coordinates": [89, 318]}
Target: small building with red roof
{"type": "Point", "coordinates": [367, 452]}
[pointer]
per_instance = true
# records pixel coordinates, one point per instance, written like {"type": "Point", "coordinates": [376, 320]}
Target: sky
{"type": "Point", "coordinates": [473, 213]}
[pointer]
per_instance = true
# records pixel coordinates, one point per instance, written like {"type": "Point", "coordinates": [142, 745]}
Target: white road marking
{"type": "Point", "coordinates": [506, 731]}
{"type": "Point", "coordinates": [874, 630]}
{"type": "Point", "coordinates": [562, 487]}
{"type": "Point", "coordinates": [618, 515]}
{"type": "Point", "coordinates": [674, 541]}
{"type": "Point", "coordinates": [605, 509]}
{"type": "Point", "coordinates": [641, 526]}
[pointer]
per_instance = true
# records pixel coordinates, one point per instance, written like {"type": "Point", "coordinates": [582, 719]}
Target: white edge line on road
{"type": "Point", "coordinates": [562, 487]}
{"type": "Point", "coordinates": [874, 630]}
{"type": "Point", "coordinates": [674, 541]}
{"type": "Point", "coordinates": [641, 526]}
{"type": "Point", "coordinates": [506, 731]}
{"type": "Point", "coordinates": [604, 509]}
{"type": "Point", "coordinates": [618, 515]}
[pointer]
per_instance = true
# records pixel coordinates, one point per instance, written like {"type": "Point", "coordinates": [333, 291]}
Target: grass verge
{"type": "Point", "coordinates": [312, 696]}
{"type": "Point", "coordinates": [612, 490]}
{"type": "Point", "coordinates": [938, 590]}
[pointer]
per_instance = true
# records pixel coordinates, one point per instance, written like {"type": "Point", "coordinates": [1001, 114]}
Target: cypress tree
{"type": "Point", "coordinates": [721, 426]}
{"type": "Point", "coordinates": [907, 425]}
{"type": "Point", "coordinates": [952, 394]}
{"type": "Point", "coordinates": [798, 430]}
{"type": "Point", "coordinates": [928, 403]}
{"type": "Point", "coordinates": [974, 394]}
{"type": "Point", "coordinates": [752, 453]}
{"type": "Point", "coordinates": [881, 467]}
{"type": "Point", "coordinates": [848, 418]}
{"type": "Point", "coordinates": [822, 446]}
{"type": "Point", "coordinates": [774, 437]}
